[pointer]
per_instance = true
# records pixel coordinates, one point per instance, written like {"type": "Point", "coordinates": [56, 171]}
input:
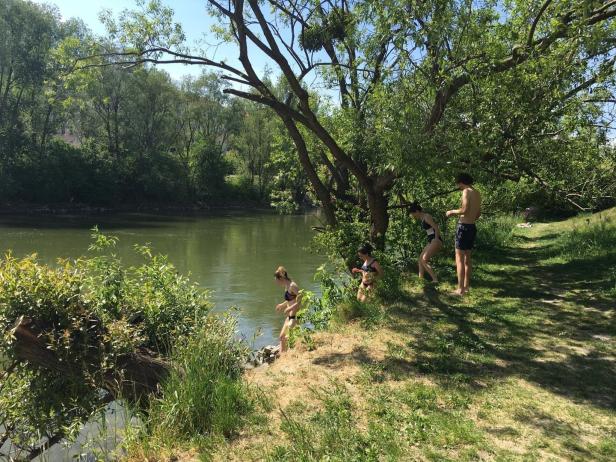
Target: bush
{"type": "Point", "coordinates": [340, 244]}
{"type": "Point", "coordinates": [495, 232]}
{"type": "Point", "coordinates": [335, 290]}
{"type": "Point", "coordinates": [588, 240]}
{"type": "Point", "coordinates": [405, 240]}
{"type": "Point", "coordinates": [91, 314]}
{"type": "Point", "coordinates": [240, 188]}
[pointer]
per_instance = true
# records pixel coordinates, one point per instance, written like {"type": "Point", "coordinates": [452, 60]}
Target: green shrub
{"type": "Point", "coordinates": [495, 232]}
{"type": "Point", "coordinates": [340, 244]}
{"type": "Point", "coordinates": [406, 240]}
{"type": "Point", "coordinates": [335, 290]}
{"type": "Point", "coordinates": [91, 314]}
{"type": "Point", "coordinates": [588, 239]}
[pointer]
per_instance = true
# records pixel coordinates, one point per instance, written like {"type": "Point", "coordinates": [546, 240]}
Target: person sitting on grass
{"type": "Point", "coordinates": [289, 306]}
{"type": "Point", "coordinates": [370, 271]}
{"type": "Point", "coordinates": [466, 231]}
{"type": "Point", "coordinates": [435, 241]}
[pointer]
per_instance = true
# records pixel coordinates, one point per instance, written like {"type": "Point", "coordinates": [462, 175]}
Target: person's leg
{"type": "Point", "coordinates": [420, 262]}
{"type": "Point", "coordinates": [467, 270]}
{"type": "Point", "coordinates": [430, 250]}
{"type": "Point", "coordinates": [361, 294]}
{"type": "Point", "coordinates": [283, 336]}
{"type": "Point", "coordinates": [460, 271]}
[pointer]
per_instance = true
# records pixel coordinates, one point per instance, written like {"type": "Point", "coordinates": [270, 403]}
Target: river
{"type": "Point", "coordinates": [234, 254]}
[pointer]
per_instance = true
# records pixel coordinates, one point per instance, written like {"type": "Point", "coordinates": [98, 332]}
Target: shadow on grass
{"type": "Point", "coordinates": [553, 428]}
{"type": "Point", "coordinates": [359, 355]}
{"type": "Point", "coordinates": [533, 318]}
{"type": "Point", "coordinates": [535, 308]}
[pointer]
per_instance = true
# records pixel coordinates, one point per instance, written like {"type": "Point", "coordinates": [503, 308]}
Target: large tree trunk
{"type": "Point", "coordinates": [319, 188]}
{"type": "Point", "coordinates": [379, 216]}
{"type": "Point", "coordinates": [135, 375]}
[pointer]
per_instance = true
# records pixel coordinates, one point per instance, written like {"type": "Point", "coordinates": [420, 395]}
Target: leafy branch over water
{"type": "Point", "coordinates": [88, 331]}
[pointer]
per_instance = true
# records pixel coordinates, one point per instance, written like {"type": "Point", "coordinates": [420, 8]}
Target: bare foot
{"type": "Point", "coordinates": [458, 292]}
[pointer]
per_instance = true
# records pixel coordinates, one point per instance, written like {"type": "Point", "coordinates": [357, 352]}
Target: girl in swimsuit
{"type": "Point", "coordinates": [435, 241]}
{"type": "Point", "coordinates": [289, 306]}
{"type": "Point", "coordinates": [370, 271]}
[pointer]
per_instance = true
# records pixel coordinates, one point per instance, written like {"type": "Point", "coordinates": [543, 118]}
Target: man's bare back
{"type": "Point", "coordinates": [471, 204]}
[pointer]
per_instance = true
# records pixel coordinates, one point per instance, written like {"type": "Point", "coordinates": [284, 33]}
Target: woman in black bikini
{"type": "Point", "coordinates": [290, 306]}
{"type": "Point", "coordinates": [370, 271]}
{"type": "Point", "coordinates": [435, 241]}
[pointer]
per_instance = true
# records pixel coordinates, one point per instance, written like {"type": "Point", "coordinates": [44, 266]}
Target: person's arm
{"type": "Point", "coordinates": [356, 270]}
{"type": "Point", "coordinates": [462, 210]}
{"type": "Point", "coordinates": [432, 223]}
{"type": "Point", "coordinates": [378, 268]}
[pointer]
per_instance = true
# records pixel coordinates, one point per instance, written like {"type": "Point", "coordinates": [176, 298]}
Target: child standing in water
{"type": "Point", "coordinates": [289, 306]}
{"type": "Point", "coordinates": [435, 241]}
{"type": "Point", "coordinates": [370, 271]}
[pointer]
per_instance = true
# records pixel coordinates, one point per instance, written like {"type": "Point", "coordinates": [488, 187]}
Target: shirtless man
{"type": "Point", "coordinates": [466, 230]}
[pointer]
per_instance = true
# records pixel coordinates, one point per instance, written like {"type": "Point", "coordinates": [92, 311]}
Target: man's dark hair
{"type": "Point", "coordinates": [464, 178]}
{"type": "Point", "coordinates": [415, 207]}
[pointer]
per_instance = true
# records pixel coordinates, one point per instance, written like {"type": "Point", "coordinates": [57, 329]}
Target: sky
{"type": "Point", "coordinates": [191, 14]}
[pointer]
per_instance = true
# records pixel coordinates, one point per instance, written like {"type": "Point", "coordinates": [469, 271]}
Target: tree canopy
{"type": "Point", "coordinates": [506, 88]}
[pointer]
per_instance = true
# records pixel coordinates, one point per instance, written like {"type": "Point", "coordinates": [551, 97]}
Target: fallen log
{"type": "Point", "coordinates": [135, 375]}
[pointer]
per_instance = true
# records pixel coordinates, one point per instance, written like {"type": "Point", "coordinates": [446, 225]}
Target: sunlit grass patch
{"type": "Point", "coordinates": [416, 418]}
{"type": "Point", "coordinates": [520, 370]}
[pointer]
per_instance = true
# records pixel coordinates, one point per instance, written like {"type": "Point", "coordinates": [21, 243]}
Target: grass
{"type": "Point", "coordinates": [202, 402]}
{"type": "Point", "coordinates": [524, 368]}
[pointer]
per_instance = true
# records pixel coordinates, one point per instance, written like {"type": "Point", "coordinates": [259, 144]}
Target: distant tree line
{"type": "Point", "coordinates": [108, 135]}
{"type": "Point", "coordinates": [520, 94]}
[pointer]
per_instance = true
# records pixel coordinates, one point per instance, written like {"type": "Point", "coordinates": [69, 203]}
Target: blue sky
{"type": "Point", "coordinates": [191, 14]}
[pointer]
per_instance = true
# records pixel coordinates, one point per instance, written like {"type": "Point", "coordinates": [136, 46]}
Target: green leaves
{"type": "Point", "coordinates": [150, 26]}
{"type": "Point", "coordinates": [89, 313]}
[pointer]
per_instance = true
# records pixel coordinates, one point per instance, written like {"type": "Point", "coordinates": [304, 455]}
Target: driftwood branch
{"type": "Point", "coordinates": [135, 375]}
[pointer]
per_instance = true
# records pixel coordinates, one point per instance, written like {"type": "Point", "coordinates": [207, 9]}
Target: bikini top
{"type": "Point", "coordinates": [288, 296]}
{"type": "Point", "coordinates": [368, 267]}
{"type": "Point", "coordinates": [429, 229]}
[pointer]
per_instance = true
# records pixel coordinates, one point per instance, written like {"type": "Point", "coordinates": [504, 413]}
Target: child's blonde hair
{"type": "Point", "coordinates": [281, 273]}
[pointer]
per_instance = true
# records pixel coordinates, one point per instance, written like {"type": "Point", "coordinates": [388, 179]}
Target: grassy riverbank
{"type": "Point", "coordinates": [523, 368]}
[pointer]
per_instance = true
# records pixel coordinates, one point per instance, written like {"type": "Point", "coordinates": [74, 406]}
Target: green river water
{"type": "Point", "coordinates": [234, 254]}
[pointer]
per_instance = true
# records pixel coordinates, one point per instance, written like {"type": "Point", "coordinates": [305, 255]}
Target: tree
{"type": "Point", "coordinates": [29, 33]}
{"type": "Point", "coordinates": [437, 50]}
{"type": "Point", "coordinates": [254, 143]}
{"type": "Point", "coordinates": [208, 120]}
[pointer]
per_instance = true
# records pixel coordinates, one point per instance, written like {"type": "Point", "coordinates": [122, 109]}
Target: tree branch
{"type": "Point", "coordinates": [605, 68]}
{"type": "Point", "coordinates": [531, 34]}
{"type": "Point", "coordinates": [517, 57]}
